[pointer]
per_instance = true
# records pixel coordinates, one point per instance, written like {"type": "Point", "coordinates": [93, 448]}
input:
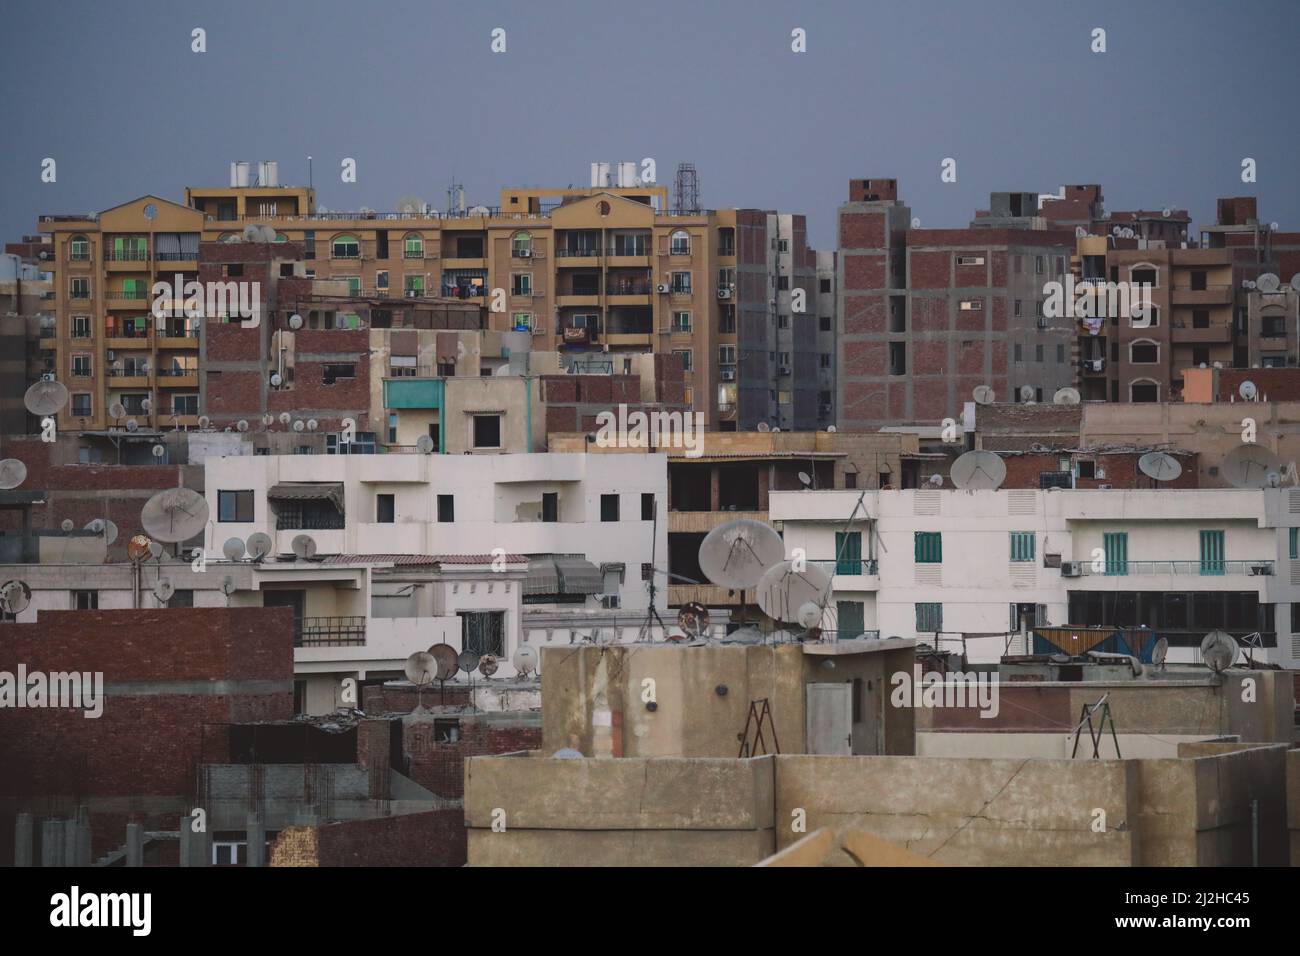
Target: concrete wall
{"type": "Point", "coordinates": [1293, 803]}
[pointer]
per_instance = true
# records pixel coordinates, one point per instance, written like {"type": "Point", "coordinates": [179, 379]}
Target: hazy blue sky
{"type": "Point", "coordinates": [412, 91]}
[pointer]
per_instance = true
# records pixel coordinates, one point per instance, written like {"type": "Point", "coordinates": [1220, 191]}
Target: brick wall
{"type": "Point", "coordinates": [431, 838]}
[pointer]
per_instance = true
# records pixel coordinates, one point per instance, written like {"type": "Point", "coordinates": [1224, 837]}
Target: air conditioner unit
{"type": "Point", "coordinates": [663, 287]}
{"type": "Point", "coordinates": [524, 254]}
{"type": "Point", "coordinates": [47, 255]}
{"type": "Point", "coordinates": [47, 377]}
{"type": "Point", "coordinates": [609, 601]}
{"type": "Point", "coordinates": [728, 374]}
{"type": "Point", "coordinates": [783, 370]}
{"type": "Point", "coordinates": [724, 293]}
{"type": "Point", "coordinates": [1104, 487]}
{"type": "Point", "coordinates": [1071, 569]}
{"type": "Point", "coordinates": [111, 355]}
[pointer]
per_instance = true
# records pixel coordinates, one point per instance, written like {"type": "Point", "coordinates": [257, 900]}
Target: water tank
{"type": "Point", "coordinates": [239, 174]}
{"type": "Point", "coordinates": [268, 174]}
{"type": "Point", "coordinates": [595, 175]}
{"type": "Point", "coordinates": [603, 175]}
{"type": "Point", "coordinates": [627, 175]}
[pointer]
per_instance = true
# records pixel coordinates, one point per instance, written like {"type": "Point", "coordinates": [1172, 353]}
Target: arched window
{"type": "Point", "coordinates": [521, 245]}
{"type": "Point", "coordinates": [79, 248]}
{"type": "Point", "coordinates": [345, 247]}
{"type": "Point", "coordinates": [680, 244]}
{"type": "Point", "coordinates": [414, 246]}
{"type": "Point", "coordinates": [1144, 390]}
{"type": "Point", "coordinates": [1144, 352]}
{"type": "Point", "coordinates": [1144, 273]}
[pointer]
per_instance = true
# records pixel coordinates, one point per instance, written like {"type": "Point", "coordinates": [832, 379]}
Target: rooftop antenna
{"type": "Point", "coordinates": [525, 660]}
{"type": "Point", "coordinates": [421, 670]}
{"type": "Point", "coordinates": [1219, 651]}
{"type": "Point", "coordinates": [1160, 466]}
{"type": "Point", "coordinates": [978, 471]}
{"type": "Point", "coordinates": [175, 515]}
{"type": "Point", "coordinates": [686, 188]}
{"type": "Point", "coordinates": [652, 612]}
{"type": "Point", "coordinates": [447, 662]}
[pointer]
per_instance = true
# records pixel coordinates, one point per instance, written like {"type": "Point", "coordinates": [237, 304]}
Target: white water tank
{"type": "Point", "coordinates": [627, 175]}
{"type": "Point", "coordinates": [239, 175]}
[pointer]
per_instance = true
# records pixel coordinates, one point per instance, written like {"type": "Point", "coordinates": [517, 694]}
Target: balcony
{"type": "Point", "coordinates": [323, 521]}
{"type": "Point", "coordinates": [1175, 568]}
{"type": "Point", "coordinates": [867, 569]}
{"type": "Point", "coordinates": [1184, 331]}
{"type": "Point", "coordinates": [1093, 366]}
{"type": "Point", "coordinates": [329, 632]}
{"type": "Point", "coordinates": [1210, 295]}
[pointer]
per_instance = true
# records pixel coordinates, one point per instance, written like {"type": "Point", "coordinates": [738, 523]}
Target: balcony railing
{"type": "Point", "coordinates": [641, 251]}
{"type": "Point", "coordinates": [177, 372]}
{"type": "Point", "coordinates": [848, 566]}
{"type": "Point", "coordinates": [127, 255]}
{"type": "Point", "coordinates": [132, 372]}
{"type": "Point", "coordinates": [127, 294]}
{"type": "Point", "coordinates": [843, 634]}
{"type": "Point", "coordinates": [1198, 568]}
{"type": "Point", "coordinates": [177, 256]}
{"type": "Point", "coordinates": [329, 632]}
{"type": "Point", "coordinates": [309, 522]}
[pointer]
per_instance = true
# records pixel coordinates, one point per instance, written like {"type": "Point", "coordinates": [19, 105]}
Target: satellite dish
{"type": "Point", "coordinates": [935, 480]}
{"type": "Point", "coordinates": [105, 527]}
{"type": "Point", "coordinates": [146, 405]}
{"type": "Point", "coordinates": [567, 753]}
{"type": "Point", "coordinates": [809, 615]}
{"type": "Point", "coordinates": [487, 665]}
{"type": "Point", "coordinates": [1160, 466]}
{"type": "Point", "coordinates": [524, 659]}
{"type": "Point", "coordinates": [45, 397]}
{"type": "Point", "coordinates": [259, 545]}
{"type": "Point", "coordinates": [164, 590]}
{"type": "Point", "coordinates": [299, 425]}
{"type": "Point", "coordinates": [736, 553]}
{"type": "Point", "coordinates": [805, 479]}
{"type": "Point", "coordinates": [1159, 652]}
{"type": "Point", "coordinates": [411, 205]}
{"type": "Point", "coordinates": [158, 451]}
{"type": "Point", "coordinates": [253, 233]}
{"type": "Point", "coordinates": [15, 595]}
{"type": "Point", "coordinates": [276, 379]}
{"type": "Point", "coordinates": [13, 472]}
{"type": "Point", "coordinates": [479, 210]}
{"type": "Point", "coordinates": [1248, 283]}
{"type": "Point", "coordinates": [268, 420]}
{"type": "Point", "coordinates": [242, 425]}
{"type": "Point", "coordinates": [424, 445]}
{"type": "Point", "coordinates": [1026, 393]}
{"type": "Point", "coordinates": [421, 668]}
{"type": "Point", "coordinates": [132, 425]}
{"type": "Point", "coordinates": [204, 421]}
{"type": "Point", "coordinates": [1248, 466]}
{"type": "Point", "coordinates": [1066, 396]}
{"type": "Point", "coordinates": [295, 321]}
{"type": "Point", "coordinates": [1247, 390]}
{"type": "Point", "coordinates": [1267, 282]}
{"type": "Point", "coordinates": [1295, 282]}
{"type": "Point", "coordinates": [137, 549]}
{"type": "Point", "coordinates": [284, 418]}
{"type": "Point", "coordinates": [311, 425]}
{"type": "Point", "coordinates": [978, 471]}
{"type": "Point", "coordinates": [304, 546]}
{"type": "Point", "coordinates": [233, 548]}
{"type": "Point", "coordinates": [1219, 651]}
{"type": "Point", "coordinates": [116, 410]}
{"type": "Point", "coordinates": [693, 619]}
{"type": "Point", "coordinates": [1166, 213]}
{"type": "Point", "coordinates": [67, 524]}
{"type": "Point", "coordinates": [983, 394]}
{"type": "Point", "coordinates": [176, 514]}
{"type": "Point", "coordinates": [783, 591]}
{"type": "Point", "coordinates": [155, 549]}
{"type": "Point", "coordinates": [468, 661]}
{"type": "Point", "coordinates": [764, 426]}
{"type": "Point", "coordinates": [447, 659]}
{"type": "Point", "coordinates": [1080, 232]}
{"type": "Point", "coordinates": [832, 429]}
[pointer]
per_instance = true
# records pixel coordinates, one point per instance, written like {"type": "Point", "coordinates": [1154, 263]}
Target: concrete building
{"type": "Point", "coordinates": [26, 332]}
{"type": "Point", "coordinates": [977, 572]}
{"type": "Point", "coordinates": [827, 345]}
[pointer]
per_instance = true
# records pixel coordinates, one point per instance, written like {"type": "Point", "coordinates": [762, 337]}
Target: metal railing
{"type": "Point", "coordinates": [127, 294]}
{"type": "Point", "coordinates": [309, 522]}
{"type": "Point", "coordinates": [851, 634]}
{"type": "Point", "coordinates": [1198, 568]}
{"type": "Point", "coordinates": [127, 255]}
{"type": "Point", "coordinates": [177, 256]}
{"type": "Point", "coordinates": [848, 565]}
{"type": "Point", "coordinates": [134, 372]}
{"type": "Point", "coordinates": [329, 631]}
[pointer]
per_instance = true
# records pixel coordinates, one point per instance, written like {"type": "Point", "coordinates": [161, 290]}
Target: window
{"type": "Point", "coordinates": [345, 247]}
{"type": "Point", "coordinates": [897, 358]}
{"type": "Point", "coordinates": [1060, 355]}
{"type": "Point", "coordinates": [929, 618]}
{"type": "Point", "coordinates": [523, 321]}
{"type": "Point", "coordinates": [414, 247]}
{"type": "Point", "coordinates": [236, 506]}
{"type": "Point", "coordinates": [647, 506]}
{"type": "Point", "coordinates": [483, 632]}
{"type": "Point", "coordinates": [726, 355]}
{"type": "Point", "coordinates": [609, 507]}
{"type": "Point", "coordinates": [1201, 318]}
{"type": "Point", "coordinates": [1212, 552]}
{"type": "Point", "coordinates": [1144, 392]}
{"type": "Point", "coordinates": [521, 245]}
{"type": "Point", "coordinates": [81, 407]}
{"type": "Point", "coordinates": [181, 597]}
{"type": "Point", "coordinates": [1038, 353]}
{"type": "Point", "coordinates": [381, 279]}
{"type": "Point", "coordinates": [1293, 535]}
{"type": "Point", "coordinates": [680, 244]}
{"type": "Point", "coordinates": [80, 289]}
{"type": "Point", "coordinates": [79, 248]}
{"type": "Point", "coordinates": [681, 283]}
{"type": "Point", "coordinates": [1115, 548]}
{"type": "Point", "coordinates": [81, 326]}
{"type": "Point", "coordinates": [333, 371]}
{"type": "Point", "coordinates": [233, 269]}
{"type": "Point", "coordinates": [1273, 327]}
{"type": "Point", "coordinates": [85, 600]}
{"type": "Point", "coordinates": [446, 508]}
{"type": "Point", "coordinates": [783, 283]}
{"type": "Point", "coordinates": [929, 547]}
{"type": "Point", "coordinates": [849, 620]}
{"type": "Point", "coordinates": [185, 404]}
{"type": "Point", "coordinates": [1039, 265]}
{"type": "Point", "coordinates": [521, 283]}
{"type": "Point", "coordinates": [783, 321]}
{"type": "Point", "coordinates": [413, 287]}
{"type": "Point", "coordinates": [681, 321]}
{"type": "Point", "coordinates": [1198, 280]}
{"type": "Point", "coordinates": [392, 424]}
{"type": "Point", "coordinates": [685, 356]}
{"type": "Point", "coordinates": [1142, 275]}
{"type": "Point", "coordinates": [384, 509]}
{"type": "Point", "coordinates": [550, 506]}
{"type": "Point", "coordinates": [1017, 307]}
{"type": "Point", "coordinates": [1087, 468]}
{"type": "Point", "coordinates": [825, 323]}
{"type": "Point", "coordinates": [848, 552]}
{"type": "Point", "coordinates": [823, 285]}
{"type": "Point", "coordinates": [487, 431]}
{"type": "Point", "coordinates": [1017, 353]}
{"type": "Point", "coordinates": [824, 360]}
{"type": "Point", "coordinates": [81, 366]}
{"type": "Point", "coordinates": [783, 245]}
{"type": "Point", "coordinates": [1022, 546]}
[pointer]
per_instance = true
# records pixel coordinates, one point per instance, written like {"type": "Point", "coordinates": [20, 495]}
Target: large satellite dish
{"type": "Point", "coordinates": [1159, 652]}
{"type": "Point", "coordinates": [448, 660]}
{"type": "Point", "coordinates": [1248, 466]}
{"type": "Point", "coordinates": [137, 549]}
{"type": "Point", "coordinates": [233, 549]}
{"type": "Point", "coordinates": [978, 471]}
{"type": "Point", "coordinates": [467, 661]}
{"type": "Point", "coordinates": [693, 619]}
{"type": "Point", "coordinates": [782, 591]}
{"type": "Point", "coordinates": [116, 410]}
{"type": "Point", "coordinates": [424, 445]}
{"type": "Point", "coordinates": [45, 397]}
{"type": "Point", "coordinates": [259, 545]}
{"type": "Point", "coordinates": [524, 659]}
{"type": "Point", "coordinates": [1066, 396]}
{"type": "Point", "coordinates": [1248, 390]}
{"type": "Point", "coordinates": [105, 527]}
{"type": "Point", "coordinates": [421, 668]}
{"type": "Point", "coordinates": [15, 595]}
{"type": "Point", "coordinates": [983, 394]}
{"type": "Point", "coordinates": [1160, 466]}
{"type": "Point", "coordinates": [1268, 282]}
{"type": "Point", "coordinates": [1219, 651]}
{"type": "Point", "coordinates": [304, 546]}
{"type": "Point", "coordinates": [13, 472]}
{"type": "Point", "coordinates": [176, 514]}
{"type": "Point", "coordinates": [736, 553]}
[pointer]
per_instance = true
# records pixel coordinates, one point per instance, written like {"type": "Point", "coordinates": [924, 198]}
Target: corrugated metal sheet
{"type": "Point", "coordinates": [331, 491]}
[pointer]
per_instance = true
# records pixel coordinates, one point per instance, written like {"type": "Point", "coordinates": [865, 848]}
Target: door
{"type": "Point", "coordinates": [830, 719]}
{"type": "Point", "coordinates": [291, 599]}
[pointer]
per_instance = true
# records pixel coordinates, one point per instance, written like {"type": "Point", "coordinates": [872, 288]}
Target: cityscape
{"type": "Point", "coordinates": [648, 516]}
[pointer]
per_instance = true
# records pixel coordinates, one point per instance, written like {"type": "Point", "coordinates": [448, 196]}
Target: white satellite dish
{"type": "Point", "coordinates": [132, 425]}
{"type": "Point", "coordinates": [233, 549]}
{"type": "Point", "coordinates": [312, 425]}
{"type": "Point", "coordinates": [1295, 282]}
{"type": "Point", "coordinates": [935, 480]}
{"type": "Point", "coordinates": [164, 590]}
{"type": "Point", "coordinates": [242, 425]}
{"type": "Point", "coordinates": [268, 420]}
{"type": "Point", "coordinates": [259, 545]}
{"type": "Point", "coordinates": [15, 596]}
{"type": "Point", "coordinates": [295, 321]}
{"type": "Point", "coordinates": [1268, 282]}
{"type": "Point", "coordinates": [805, 479]}
{"type": "Point", "coordinates": [1248, 466]}
{"type": "Point", "coordinates": [284, 418]}
{"type": "Point", "coordinates": [783, 591]}
{"type": "Point", "coordinates": [204, 421]}
{"type": "Point", "coordinates": [983, 395]}
{"type": "Point", "coordinates": [105, 527]}
{"type": "Point", "coordinates": [1160, 466]}
{"type": "Point", "coordinates": [276, 379]}
{"type": "Point", "coordinates": [1027, 393]}
{"type": "Point", "coordinates": [1159, 652]}
{"type": "Point", "coordinates": [299, 425]}
{"type": "Point", "coordinates": [421, 668]}
{"type": "Point", "coordinates": [304, 546]}
{"type": "Point", "coordinates": [411, 205]}
{"type": "Point", "coordinates": [524, 659]}
{"type": "Point", "coordinates": [1219, 651]}
{"type": "Point", "coordinates": [252, 233]}
{"type": "Point", "coordinates": [1248, 390]}
{"type": "Point", "coordinates": [832, 429]}
{"type": "Point", "coordinates": [66, 524]}
{"type": "Point", "coordinates": [479, 210]}
{"type": "Point", "coordinates": [735, 554]}
{"type": "Point", "coordinates": [424, 445]}
{"type": "Point", "coordinates": [13, 472]}
{"type": "Point", "coordinates": [810, 615]}
{"type": "Point", "coordinates": [1066, 396]}
{"type": "Point", "coordinates": [978, 471]}
{"type": "Point", "coordinates": [176, 514]}
{"type": "Point", "coordinates": [146, 405]}
{"type": "Point", "coordinates": [158, 451]}
{"type": "Point", "coordinates": [764, 426]}
{"type": "Point", "coordinates": [116, 410]}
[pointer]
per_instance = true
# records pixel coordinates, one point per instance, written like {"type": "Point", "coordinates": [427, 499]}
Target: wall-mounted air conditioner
{"type": "Point", "coordinates": [1070, 569]}
{"type": "Point", "coordinates": [663, 287]}
{"type": "Point", "coordinates": [728, 374]}
{"type": "Point", "coordinates": [609, 601]}
{"type": "Point", "coordinates": [724, 293]}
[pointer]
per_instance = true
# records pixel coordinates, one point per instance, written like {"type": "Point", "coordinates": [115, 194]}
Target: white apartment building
{"type": "Point", "coordinates": [979, 570]}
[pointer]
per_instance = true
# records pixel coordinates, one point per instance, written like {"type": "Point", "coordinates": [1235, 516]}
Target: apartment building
{"type": "Point", "coordinates": [26, 329]}
{"type": "Point", "coordinates": [976, 572]}
{"type": "Point", "coordinates": [928, 315]}
{"type": "Point", "coordinates": [827, 346]}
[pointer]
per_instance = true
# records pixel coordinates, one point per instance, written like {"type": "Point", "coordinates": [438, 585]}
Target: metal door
{"type": "Point", "coordinates": [830, 719]}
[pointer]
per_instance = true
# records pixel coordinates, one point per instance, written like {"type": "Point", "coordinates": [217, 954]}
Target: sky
{"type": "Point", "coordinates": [413, 92]}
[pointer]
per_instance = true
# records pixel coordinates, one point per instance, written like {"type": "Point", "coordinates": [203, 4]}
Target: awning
{"type": "Point", "coordinates": [562, 574]}
{"type": "Point", "coordinates": [331, 491]}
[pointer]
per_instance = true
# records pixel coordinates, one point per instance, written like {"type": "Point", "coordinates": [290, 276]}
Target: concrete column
{"type": "Point", "coordinates": [134, 844]}
{"type": "Point", "coordinates": [84, 843]}
{"type": "Point", "coordinates": [23, 840]}
{"type": "Point", "coordinates": [70, 842]}
{"type": "Point", "coordinates": [256, 840]}
{"type": "Point", "coordinates": [196, 848]}
{"type": "Point", "coordinates": [187, 843]}
{"type": "Point", "coordinates": [51, 843]}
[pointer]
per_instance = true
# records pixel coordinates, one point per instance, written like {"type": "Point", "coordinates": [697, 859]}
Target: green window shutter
{"type": "Point", "coordinates": [1116, 546]}
{"type": "Point", "coordinates": [848, 552]}
{"type": "Point", "coordinates": [1212, 552]}
{"type": "Point", "coordinates": [119, 246]}
{"type": "Point", "coordinates": [1295, 543]}
{"type": "Point", "coordinates": [354, 285]}
{"type": "Point", "coordinates": [929, 547]}
{"type": "Point", "coordinates": [1022, 546]}
{"type": "Point", "coordinates": [929, 617]}
{"type": "Point", "coordinates": [850, 619]}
